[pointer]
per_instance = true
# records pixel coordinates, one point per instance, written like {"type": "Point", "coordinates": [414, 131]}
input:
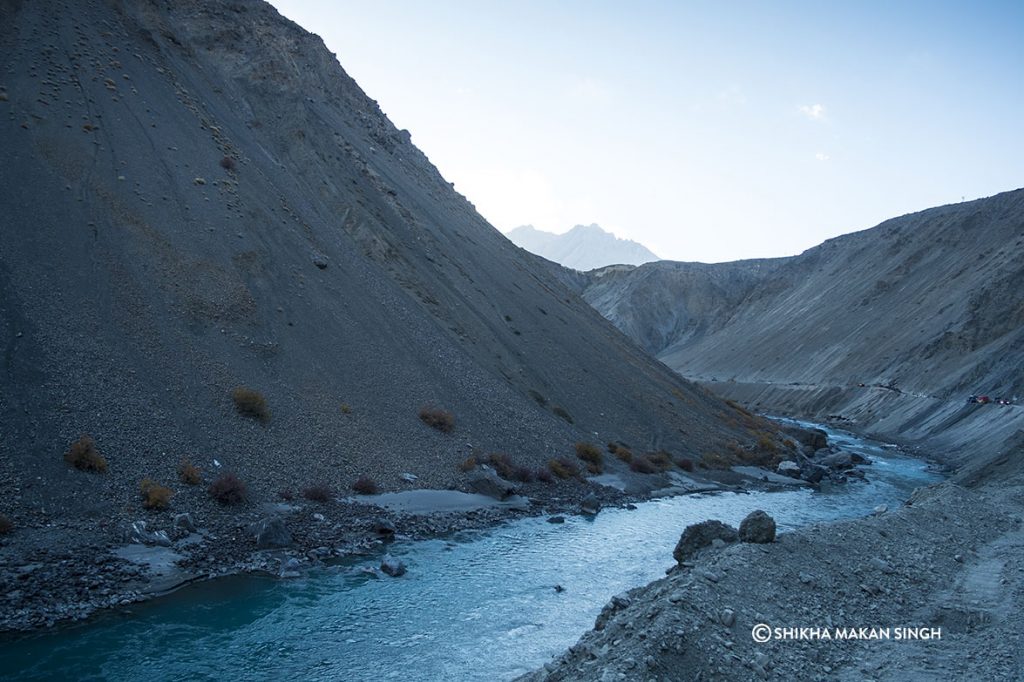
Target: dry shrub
{"type": "Point", "coordinates": [228, 164]}
{"type": "Point", "coordinates": [287, 495]}
{"type": "Point", "coordinates": [365, 485]}
{"type": "Point", "coordinates": [501, 463]}
{"type": "Point", "coordinates": [228, 489]}
{"type": "Point", "coordinates": [436, 418]}
{"type": "Point", "coordinates": [766, 443]}
{"type": "Point", "coordinates": [251, 403]}
{"type": "Point", "coordinates": [154, 495]}
{"type": "Point", "coordinates": [563, 468]}
{"type": "Point", "coordinates": [621, 451]}
{"type": "Point", "coordinates": [468, 464]}
{"type": "Point", "coordinates": [543, 474]}
{"type": "Point", "coordinates": [661, 459]}
{"type": "Point", "coordinates": [319, 492]}
{"type": "Point", "coordinates": [642, 464]}
{"type": "Point", "coordinates": [346, 408]}
{"type": "Point", "coordinates": [589, 452]}
{"type": "Point", "coordinates": [84, 456]}
{"type": "Point", "coordinates": [189, 473]}
{"type": "Point", "coordinates": [685, 463]}
{"type": "Point", "coordinates": [560, 411]}
{"type": "Point", "coordinates": [522, 474]}
{"type": "Point", "coordinates": [6, 525]}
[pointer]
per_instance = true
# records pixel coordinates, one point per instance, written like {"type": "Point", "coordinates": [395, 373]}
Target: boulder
{"type": "Point", "coordinates": [320, 260]}
{"type": "Point", "coordinates": [139, 534]}
{"type": "Point", "coordinates": [271, 534]}
{"type": "Point", "coordinates": [290, 568]}
{"type": "Point", "coordinates": [556, 519]}
{"type": "Point", "coordinates": [488, 483]}
{"type": "Point", "coordinates": [590, 504]}
{"type": "Point", "coordinates": [185, 522]}
{"type": "Point", "coordinates": [839, 460]}
{"type": "Point", "coordinates": [757, 527]}
{"type": "Point", "coordinates": [814, 439]}
{"type": "Point", "coordinates": [813, 473]}
{"type": "Point", "coordinates": [701, 535]}
{"type": "Point", "coordinates": [392, 566]}
{"type": "Point", "coordinates": [384, 527]}
{"type": "Point", "coordinates": [789, 468]}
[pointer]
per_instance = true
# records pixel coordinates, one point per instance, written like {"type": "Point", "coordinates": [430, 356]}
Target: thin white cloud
{"type": "Point", "coordinates": [822, 156]}
{"type": "Point", "coordinates": [815, 112]}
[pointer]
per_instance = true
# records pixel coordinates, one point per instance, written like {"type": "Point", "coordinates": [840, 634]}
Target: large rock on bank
{"type": "Point", "coordinates": [271, 534]}
{"type": "Point", "coordinates": [700, 535]}
{"type": "Point", "coordinates": [757, 527]}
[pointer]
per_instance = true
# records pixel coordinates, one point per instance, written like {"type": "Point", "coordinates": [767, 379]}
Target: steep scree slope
{"type": "Point", "coordinates": [197, 197]}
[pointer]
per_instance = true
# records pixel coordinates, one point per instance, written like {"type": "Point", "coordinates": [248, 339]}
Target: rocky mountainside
{"type": "Point", "coordinates": [197, 198]}
{"type": "Point", "coordinates": [583, 248]}
{"type": "Point", "coordinates": [928, 305]}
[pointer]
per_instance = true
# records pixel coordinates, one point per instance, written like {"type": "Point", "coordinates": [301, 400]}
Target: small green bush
{"type": "Point", "coordinates": [84, 456]}
{"type": "Point", "coordinates": [251, 403]}
{"type": "Point", "coordinates": [436, 418]}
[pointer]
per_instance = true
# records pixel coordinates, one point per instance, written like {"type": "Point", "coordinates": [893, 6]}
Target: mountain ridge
{"type": "Point", "coordinates": [584, 247]}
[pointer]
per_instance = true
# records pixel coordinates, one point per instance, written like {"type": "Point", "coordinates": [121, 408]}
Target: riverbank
{"type": "Point", "coordinates": [947, 560]}
{"type": "Point", "coordinates": [65, 571]}
{"type": "Point", "coordinates": [477, 605]}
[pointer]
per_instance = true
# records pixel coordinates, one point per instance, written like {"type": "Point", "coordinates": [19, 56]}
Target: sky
{"type": "Point", "coordinates": [707, 131]}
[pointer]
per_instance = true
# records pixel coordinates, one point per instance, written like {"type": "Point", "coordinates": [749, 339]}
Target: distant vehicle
{"type": "Point", "coordinates": [972, 399]}
{"type": "Point", "coordinates": [983, 399]}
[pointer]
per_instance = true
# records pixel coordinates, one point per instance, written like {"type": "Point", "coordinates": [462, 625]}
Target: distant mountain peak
{"type": "Point", "coordinates": [584, 247]}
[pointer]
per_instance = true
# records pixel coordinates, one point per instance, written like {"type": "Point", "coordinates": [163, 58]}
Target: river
{"type": "Point", "coordinates": [480, 605]}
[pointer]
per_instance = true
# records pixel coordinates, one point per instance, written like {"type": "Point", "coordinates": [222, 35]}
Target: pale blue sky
{"type": "Point", "coordinates": [705, 130]}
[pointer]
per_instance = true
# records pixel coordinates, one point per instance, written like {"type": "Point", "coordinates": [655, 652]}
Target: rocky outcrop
{"type": "Point", "coordinates": [701, 535]}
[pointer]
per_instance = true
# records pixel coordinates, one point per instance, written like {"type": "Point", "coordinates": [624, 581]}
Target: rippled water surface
{"type": "Point", "coordinates": [478, 606]}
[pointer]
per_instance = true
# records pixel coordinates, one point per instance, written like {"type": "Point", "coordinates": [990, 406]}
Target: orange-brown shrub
{"type": "Point", "coordinates": [189, 473]}
{"type": "Point", "coordinates": [154, 495]}
{"type": "Point", "coordinates": [563, 468]}
{"type": "Point", "coordinates": [251, 403]}
{"type": "Point", "coordinates": [436, 418]}
{"type": "Point", "coordinates": [84, 456]}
